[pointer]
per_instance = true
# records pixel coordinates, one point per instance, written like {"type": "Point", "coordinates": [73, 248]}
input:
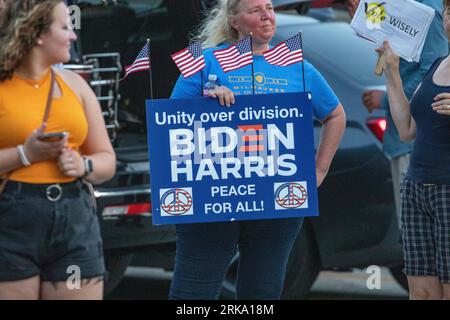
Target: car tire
{"type": "Point", "coordinates": [116, 264]}
{"type": "Point", "coordinates": [399, 276]}
{"type": "Point", "coordinates": [303, 265]}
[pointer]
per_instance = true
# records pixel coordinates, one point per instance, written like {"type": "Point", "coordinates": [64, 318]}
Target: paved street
{"type": "Point", "coordinates": [352, 285]}
{"type": "Point", "coordinates": [151, 283]}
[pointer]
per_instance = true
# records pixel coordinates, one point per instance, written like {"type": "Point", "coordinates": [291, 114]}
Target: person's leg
{"type": "Point", "coordinates": [441, 197]}
{"type": "Point", "coordinates": [446, 290]}
{"type": "Point", "coordinates": [26, 289]}
{"type": "Point", "coordinates": [89, 289]}
{"type": "Point", "coordinates": [72, 266]}
{"type": "Point", "coordinates": [204, 251]}
{"type": "Point", "coordinates": [399, 168]}
{"type": "Point", "coordinates": [424, 288]}
{"type": "Point", "coordinates": [418, 242]}
{"type": "Point", "coordinates": [264, 248]}
{"type": "Point", "coordinates": [20, 239]}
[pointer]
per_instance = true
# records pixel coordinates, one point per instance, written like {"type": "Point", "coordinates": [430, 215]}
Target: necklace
{"type": "Point", "coordinates": [35, 83]}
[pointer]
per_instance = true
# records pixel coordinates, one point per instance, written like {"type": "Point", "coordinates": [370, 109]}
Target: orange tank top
{"type": "Point", "coordinates": [22, 107]}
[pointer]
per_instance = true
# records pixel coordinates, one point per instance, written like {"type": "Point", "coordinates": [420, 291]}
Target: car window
{"type": "Point", "coordinates": [141, 6]}
{"type": "Point", "coordinates": [138, 6]}
{"type": "Point", "coordinates": [335, 47]}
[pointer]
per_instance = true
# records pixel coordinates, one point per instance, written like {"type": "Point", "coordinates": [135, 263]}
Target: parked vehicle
{"type": "Point", "coordinates": [357, 226]}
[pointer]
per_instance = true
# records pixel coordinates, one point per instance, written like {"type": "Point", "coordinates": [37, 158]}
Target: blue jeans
{"type": "Point", "coordinates": [204, 251]}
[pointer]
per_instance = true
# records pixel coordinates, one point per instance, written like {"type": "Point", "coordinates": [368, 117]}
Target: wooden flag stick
{"type": "Point", "coordinates": [380, 64]}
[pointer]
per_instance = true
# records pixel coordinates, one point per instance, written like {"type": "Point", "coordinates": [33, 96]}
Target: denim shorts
{"type": "Point", "coordinates": [49, 232]}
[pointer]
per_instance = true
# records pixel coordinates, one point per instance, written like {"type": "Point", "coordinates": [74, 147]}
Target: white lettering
{"type": "Point", "coordinates": [175, 170]}
{"type": "Point", "coordinates": [374, 280]}
{"type": "Point", "coordinates": [181, 142]}
{"type": "Point", "coordinates": [216, 135]}
{"type": "Point", "coordinates": [74, 280]}
{"type": "Point", "coordinates": [287, 140]}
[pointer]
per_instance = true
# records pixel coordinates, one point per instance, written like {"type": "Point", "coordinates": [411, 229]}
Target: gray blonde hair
{"type": "Point", "coordinates": [215, 28]}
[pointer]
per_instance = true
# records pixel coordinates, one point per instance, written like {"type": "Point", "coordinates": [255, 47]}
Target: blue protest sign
{"type": "Point", "coordinates": [254, 160]}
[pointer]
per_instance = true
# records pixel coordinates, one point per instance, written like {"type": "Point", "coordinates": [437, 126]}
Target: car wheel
{"type": "Point", "coordinates": [116, 265]}
{"type": "Point", "coordinates": [399, 276]}
{"type": "Point", "coordinates": [303, 265]}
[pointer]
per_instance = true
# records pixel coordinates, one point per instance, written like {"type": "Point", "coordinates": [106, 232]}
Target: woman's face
{"type": "Point", "coordinates": [56, 42]}
{"type": "Point", "coordinates": [256, 16]}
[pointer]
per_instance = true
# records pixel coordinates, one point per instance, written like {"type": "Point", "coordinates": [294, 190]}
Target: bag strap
{"type": "Point", "coordinates": [49, 97]}
{"type": "Point", "coordinates": [48, 106]}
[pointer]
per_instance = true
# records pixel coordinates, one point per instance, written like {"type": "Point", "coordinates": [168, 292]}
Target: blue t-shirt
{"type": "Point", "coordinates": [268, 79]}
{"type": "Point", "coordinates": [430, 159]}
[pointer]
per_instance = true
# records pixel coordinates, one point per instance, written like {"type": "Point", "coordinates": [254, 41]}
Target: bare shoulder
{"type": "Point", "coordinates": [74, 81]}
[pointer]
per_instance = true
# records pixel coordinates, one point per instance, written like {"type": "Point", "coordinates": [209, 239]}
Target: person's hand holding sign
{"type": "Point", "coordinates": [391, 60]}
{"type": "Point", "coordinates": [225, 95]}
{"type": "Point", "coordinates": [442, 104]}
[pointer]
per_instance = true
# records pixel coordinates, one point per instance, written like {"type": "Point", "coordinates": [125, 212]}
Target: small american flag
{"type": "Point", "coordinates": [236, 56]}
{"type": "Point", "coordinates": [190, 60]}
{"type": "Point", "coordinates": [285, 53]}
{"type": "Point", "coordinates": [142, 62]}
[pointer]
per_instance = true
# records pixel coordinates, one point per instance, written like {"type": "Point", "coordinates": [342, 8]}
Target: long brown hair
{"type": "Point", "coordinates": [21, 24]}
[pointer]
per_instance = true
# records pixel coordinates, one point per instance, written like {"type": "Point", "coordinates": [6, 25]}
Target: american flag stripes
{"type": "Point", "coordinates": [190, 60]}
{"type": "Point", "coordinates": [286, 53]}
{"type": "Point", "coordinates": [142, 62]}
{"type": "Point", "coordinates": [236, 56]}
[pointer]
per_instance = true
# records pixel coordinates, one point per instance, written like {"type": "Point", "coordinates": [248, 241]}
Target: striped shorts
{"type": "Point", "coordinates": [426, 229]}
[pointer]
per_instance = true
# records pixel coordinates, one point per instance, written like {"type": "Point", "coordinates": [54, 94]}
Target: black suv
{"type": "Point", "coordinates": [357, 226]}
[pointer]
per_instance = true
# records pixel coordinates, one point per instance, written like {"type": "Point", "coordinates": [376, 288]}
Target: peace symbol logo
{"type": "Point", "coordinates": [176, 201]}
{"type": "Point", "coordinates": [290, 195]}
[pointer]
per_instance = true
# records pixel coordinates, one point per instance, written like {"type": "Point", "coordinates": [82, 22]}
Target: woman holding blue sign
{"type": "Point", "coordinates": [425, 191]}
{"type": "Point", "coordinates": [204, 250]}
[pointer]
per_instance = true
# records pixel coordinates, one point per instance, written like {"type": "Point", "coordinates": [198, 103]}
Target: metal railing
{"type": "Point", "coordinates": [102, 72]}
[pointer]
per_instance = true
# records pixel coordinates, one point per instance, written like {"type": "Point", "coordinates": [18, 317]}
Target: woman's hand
{"type": "Point", "coordinates": [71, 163]}
{"type": "Point", "coordinates": [225, 95]}
{"type": "Point", "coordinates": [442, 104]}
{"type": "Point", "coordinates": [38, 150]}
{"type": "Point", "coordinates": [352, 6]}
{"type": "Point", "coordinates": [392, 60]}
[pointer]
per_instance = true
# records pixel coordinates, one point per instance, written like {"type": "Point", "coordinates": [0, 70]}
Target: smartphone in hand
{"type": "Point", "coordinates": [53, 136]}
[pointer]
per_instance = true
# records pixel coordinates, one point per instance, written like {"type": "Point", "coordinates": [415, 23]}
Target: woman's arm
{"type": "Point", "coordinates": [399, 104]}
{"type": "Point", "coordinates": [35, 150]}
{"type": "Point", "coordinates": [9, 160]}
{"type": "Point", "coordinates": [97, 146]}
{"type": "Point", "coordinates": [333, 127]}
